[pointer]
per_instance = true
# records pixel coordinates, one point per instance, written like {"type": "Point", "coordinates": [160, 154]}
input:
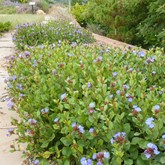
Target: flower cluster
{"type": "Point", "coordinates": [44, 111]}
{"type": "Point", "coordinates": [85, 161]}
{"type": "Point", "coordinates": [10, 131]}
{"type": "Point", "coordinates": [136, 110]}
{"type": "Point", "coordinates": [156, 108]}
{"type": "Point", "coordinates": [78, 128]}
{"type": "Point", "coordinates": [149, 122]}
{"type": "Point", "coordinates": [151, 151]}
{"type": "Point", "coordinates": [100, 156]}
{"type": "Point", "coordinates": [118, 138]}
{"type": "Point", "coordinates": [32, 121]}
{"type": "Point", "coordinates": [91, 107]}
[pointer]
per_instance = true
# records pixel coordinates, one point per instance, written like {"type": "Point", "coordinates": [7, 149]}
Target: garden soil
{"type": "Point", "coordinates": [6, 157]}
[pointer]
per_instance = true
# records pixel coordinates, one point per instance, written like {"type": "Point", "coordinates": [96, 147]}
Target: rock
{"type": "Point", "coordinates": [40, 12]}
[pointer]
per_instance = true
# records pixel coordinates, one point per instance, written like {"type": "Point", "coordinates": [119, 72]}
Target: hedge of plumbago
{"type": "Point", "coordinates": [31, 34]}
{"type": "Point", "coordinates": [89, 105]}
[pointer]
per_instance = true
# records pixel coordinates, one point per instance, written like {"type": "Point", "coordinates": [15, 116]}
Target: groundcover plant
{"type": "Point", "coordinates": [88, 105]}
{"type": "Point", "coordinates": [31, 34]}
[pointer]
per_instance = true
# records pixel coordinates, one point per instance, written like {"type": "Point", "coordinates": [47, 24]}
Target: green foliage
{"type": "Point", "coordinates": [43, 5]}
{"type": "Point", "coordinates": [55, 31]}
{"type": "Point", "coordinates": [22, 1]}
{"type": "Point", "coordinates": [78, 2]}
{"type": "Point", "coordinates": [4, 27]}
{"type": "Point", "coordinates": [16, 19]}
{"type": "Point", "coordinates": [62, 91]}
{"type": "Point", "coordinates": [139, 22]}
{"type": "Point", "coordinates": [79, 11]}
{"type": "Point", "coordinates": [152, 27]}
{"type": "Point", "coordinates": [7, 9]}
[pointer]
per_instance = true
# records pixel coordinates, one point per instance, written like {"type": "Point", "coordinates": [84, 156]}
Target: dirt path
{"type": "Point", "coordinates": [6, 157]}
{"type": "Point", "coordinates": [111, 42]}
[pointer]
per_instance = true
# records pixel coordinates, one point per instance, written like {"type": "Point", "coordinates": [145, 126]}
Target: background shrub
{"type": "Point", "coordinates": [4, 27]}
{"type": "Point", "coordinates": [55, 31]}
{"type": "Point", "coordinates": [138, 22]}
{"type": "Point", "coordinates": [79, 102]}
{"type": "Point", "coordinates": [43, 5]}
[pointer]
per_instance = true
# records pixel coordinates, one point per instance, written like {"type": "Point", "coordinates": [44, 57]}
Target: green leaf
{"type": "Point", "coordinates": [45, 145]}
{"type": "Point", "coordinates": [162, 160]}
{"type": "Point", "coordinates": [127, 128]}
{"type": "Point", "coordinates": [66, 141]}
{"type": "Point", "coordinates": [136, 140]}
{"type": "Point", "coordinates": [140, 161]}
{"type": "Point", "coordinates": [66, 162]}
{"type": "Point", "coordinates": [66, 151]}
{"type": "Point", "coordinates": [46, 154]}
{"type": "Point", "coordinates": [128, 162]}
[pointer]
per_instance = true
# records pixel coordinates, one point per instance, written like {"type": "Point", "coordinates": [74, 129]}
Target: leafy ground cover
{"type": "Point", "coordinates": [54, 31]}
{"type": "Point", "coordinates": [89, 105]}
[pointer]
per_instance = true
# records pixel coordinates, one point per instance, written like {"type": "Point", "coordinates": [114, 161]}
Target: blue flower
{"type": "Point", "coordinates": [163, 136]}
{"type": "Point", "coordinates": [156, 107]}
{"type": "Point", "coordinates": [32, 121]}
{"type": "Point", "coordinates": [36, 162]}
{"type": "Point", "coordinates": [56, 120]}
{"type": "Point", "coordinates": [100, 156]}
{"type": "Point", "coordinates": [94, 156]}
{"type": "Point", "coordinates": [54, 72]}
{"type": "Point", "coordinates": [149, 122]}
{"type": "Point", "coordinates": [99, 163]}
{"type": "Point", "coordinates": [110, 96]}
{"type": "Point", "coordinates": [9, 86]}
{"type": "Point", "coordinates": [136, 108]}
{"type": "Point", "coordinates": [73, 125]}
{"type": "Point", "coordinates": [151, 151]}
{"type": "Point", "coordinates": [141, 54]}
{"type": "Point", "coordinates": [10, 131]}
{"type": "Point", "coordinates": [125, 86]}
{"type": "Point", "coordinates": [130, 70]}
{"type": "Point", "coordinates": [106, 155]}
{"type": "Point", "coordinates": [118, 137]}
{"type": "Point", "coordinates": [13, 78]}
{"type": "Point", "coordinates": [92, 105]}
{"type": "Point", "coordinates": [10, 103]}
{"type": "Point", "coordinates": [63, 96]}
{"type": "Point", "coordinates": [21, 95]}
{"type": "Point", "coordinates": [114, 74]}
{"type": "Point", "coordinates": [153, 72]}
{"type": "Point", "coordinates": [130, 99]}
{"type": "Point", "coordinates": [78, 128]}
{"type": "Point", "coordinates": [91, 130]}
{"type": "Point", "coordinates": [89, 85]}
{"type": "Point", "coordinates": [118, 92]}
{"type": "Point", "coordinates": [81, 129]}
{"type": "Point", "coordinates": [85, 161]}
{"type": "Point", "coordinates": [44, 111]}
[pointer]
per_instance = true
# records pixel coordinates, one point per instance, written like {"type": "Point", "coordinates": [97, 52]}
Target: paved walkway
{"type": "Point", "coordinates": [6, 157]}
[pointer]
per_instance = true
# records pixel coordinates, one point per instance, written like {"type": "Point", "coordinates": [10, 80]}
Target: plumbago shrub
{"type": "Point", "coordinates": [84, 105]}
{"type": "Point", "coordinates": [55, 31]}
